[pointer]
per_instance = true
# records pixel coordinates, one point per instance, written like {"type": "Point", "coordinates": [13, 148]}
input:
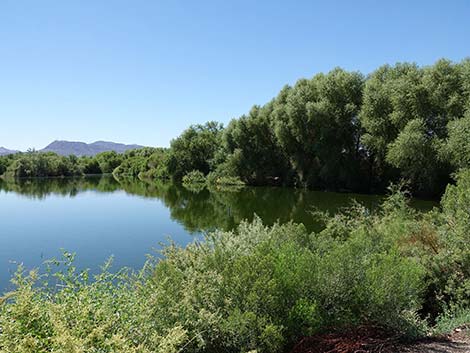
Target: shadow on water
{"type": "Point", "coordinates": [99, 217]}
{"type": "Point", "coordinates": [202, 209]}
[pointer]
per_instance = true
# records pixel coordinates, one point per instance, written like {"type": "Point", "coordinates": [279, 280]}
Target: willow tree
{"type": "Point", "coordinates": [317, 127]}
{"type": "Point", "coordinates": [253, 150]}
{"type": "Point", "coordinates": [405, 100]}
{"type": "Point", "coordinates": [195, 149]}
{"type": "Point", "coordinates": [457, 147]}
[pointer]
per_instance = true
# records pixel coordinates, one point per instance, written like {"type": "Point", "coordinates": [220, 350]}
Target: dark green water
{"type": "Point", "coordinates": [102, 217]}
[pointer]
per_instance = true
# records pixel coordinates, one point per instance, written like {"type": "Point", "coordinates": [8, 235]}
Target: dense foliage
{"type": "Point", "coordinates": [342, 130]}
{"type": "Point", "coordinates": [137, 162]}
{"type": "Point", "coordinates": [258, 288]}
{"type": "Point", "coordinates": [40, 164]}
{"type": "Point", "coordinates": [33, 164]}
{"type": "Point", "coordinates": [339, 130]}
{"type": "Point", "coordinates": [195, 149]}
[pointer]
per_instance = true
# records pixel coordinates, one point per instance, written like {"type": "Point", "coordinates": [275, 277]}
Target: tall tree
{"type": "Point", "coordinates": [457, 148]}
{"type": "Point", "coordinates": [195, 149]}
{"type": "Point", "coordinates": [253, 151]}
{"type": "Point", "coordinates": [318, 128]}
{"type": "Point", "coordinates": [406, 101]}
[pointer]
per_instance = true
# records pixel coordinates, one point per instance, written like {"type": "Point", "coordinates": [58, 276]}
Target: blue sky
{"type": "Point", "coordinates": [141, 71]}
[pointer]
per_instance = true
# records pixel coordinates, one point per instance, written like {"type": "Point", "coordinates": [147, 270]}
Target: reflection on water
{"type": "Point", "coordinates": [202, 209]}
{"type": "Point", "coordinates": [101, 216]}
{"type": "Point", "coordinates": [223, 209]}
{"type": "Point", "coordinates": [41, 188]}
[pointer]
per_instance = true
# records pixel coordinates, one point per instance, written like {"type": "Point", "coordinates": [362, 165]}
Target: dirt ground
{"type": "Point", "coordinates": [373, 340]}
{"type": "Point", "coordinates": [458, 342]}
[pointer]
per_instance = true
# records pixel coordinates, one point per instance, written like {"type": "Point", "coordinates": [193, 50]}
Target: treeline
{"type": "Point", "coordinates": [339, 130]}
{"type": "Point", "coordinates": [35, 164]}
{"type": "Point", "coordinates": [48, 164]}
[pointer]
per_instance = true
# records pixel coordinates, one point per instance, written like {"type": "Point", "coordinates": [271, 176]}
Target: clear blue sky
{"type": "Point", "coordinates": [139, 71]}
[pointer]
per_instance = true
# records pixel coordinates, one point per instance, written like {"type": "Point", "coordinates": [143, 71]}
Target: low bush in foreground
{"type": "Point", "coordinates": [258, 288]}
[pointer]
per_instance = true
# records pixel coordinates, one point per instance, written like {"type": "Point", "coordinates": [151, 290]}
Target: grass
{"type": "Point", "coordinates": [451, 320]}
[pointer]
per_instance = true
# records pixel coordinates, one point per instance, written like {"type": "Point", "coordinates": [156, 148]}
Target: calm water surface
{"type": "Point", "coordinates": [101, 217]}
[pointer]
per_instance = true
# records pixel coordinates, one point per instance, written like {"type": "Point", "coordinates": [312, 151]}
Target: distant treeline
{"type": "Point", "coordinates": [49, 164]}
{"type": "Point", "coordinates": [339, 131]}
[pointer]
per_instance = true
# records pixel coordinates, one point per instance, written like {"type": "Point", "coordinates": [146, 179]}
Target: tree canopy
{"type": "Point", "coordinates": [340, 130]}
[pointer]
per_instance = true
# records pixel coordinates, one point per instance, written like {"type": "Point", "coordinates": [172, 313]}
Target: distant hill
{"type": "Point", "coordinates": [5, 151]}
{"type": "Point", "coordinates": [66, 148]}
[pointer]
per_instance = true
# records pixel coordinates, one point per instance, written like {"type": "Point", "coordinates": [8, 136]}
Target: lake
{"type": "Point", "coordinates": [99, 217]}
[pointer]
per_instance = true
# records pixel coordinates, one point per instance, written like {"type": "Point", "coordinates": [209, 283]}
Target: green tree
{"type": "Point", "coordinates": [89, 165]}
{"type": "Point", "coordinates": [445, 92]}
{"type": "Point", "coordinates": [415, 153]}
{"type": "Point", "coordinates": [318, 127]}
{"type": "Point", "coordinates": [457, 147]}
{"type": "Point", "coordinates": [395, 96]}
{"type": "Point", "coordinates": [195, 149]}
{"type": "Point", "coordinates": [37, 164]}
{"type": "Point", "coordinates": [5, 161]}
{"type": "Point", "coordinates": [253, 150]}
{"type": "Point", "coordinates": [109, 161]}
{"type": "Point", "coordinates": [392, 97]}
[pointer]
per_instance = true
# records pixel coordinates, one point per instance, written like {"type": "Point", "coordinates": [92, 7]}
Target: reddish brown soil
{"type": "Point", "coordinates": [375, 340]}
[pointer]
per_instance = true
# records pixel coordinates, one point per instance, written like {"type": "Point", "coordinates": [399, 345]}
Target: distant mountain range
{"type": "Point", "coordinates": [4, 151]}
{"type": "Point", "coordinates": [66, 148]}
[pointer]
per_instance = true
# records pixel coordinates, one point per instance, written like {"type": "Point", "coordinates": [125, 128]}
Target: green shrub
{"type": "Point", "coordinates": [215, 178]}
{"type": "Point", "coordinates": [258, 288]}
{"type": "Point", "coordinates": [194, 177]}
{"type": "Point", "coordinates": [160, 172]}
{"type": "Point", "coordinates": [103, 315]}
{"type": "Point", "coordinates": [450, 264]}
{"type": "Point", "coordinates": [451, 319]}
{"type": "Point", "coordinates": [39, 164]}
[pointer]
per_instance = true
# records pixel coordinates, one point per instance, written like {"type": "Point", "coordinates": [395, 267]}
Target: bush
{"type": "Point", "coordinates": [449, 266]}
{"type": "Point", "coordinates": [259, 288]}
{"type": "Point", "coordinates": [256, 288]}
{"type": "Point", "coordinates": [194, 177]}
{"type": "Point", "coordinates": [104, 315]}
{"type": "Point", "coordinates": [38, 164]}
{"type": "Point", "coordinates": [221, 179]}
{"type": "Point", "coordinates": [5, 161]}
